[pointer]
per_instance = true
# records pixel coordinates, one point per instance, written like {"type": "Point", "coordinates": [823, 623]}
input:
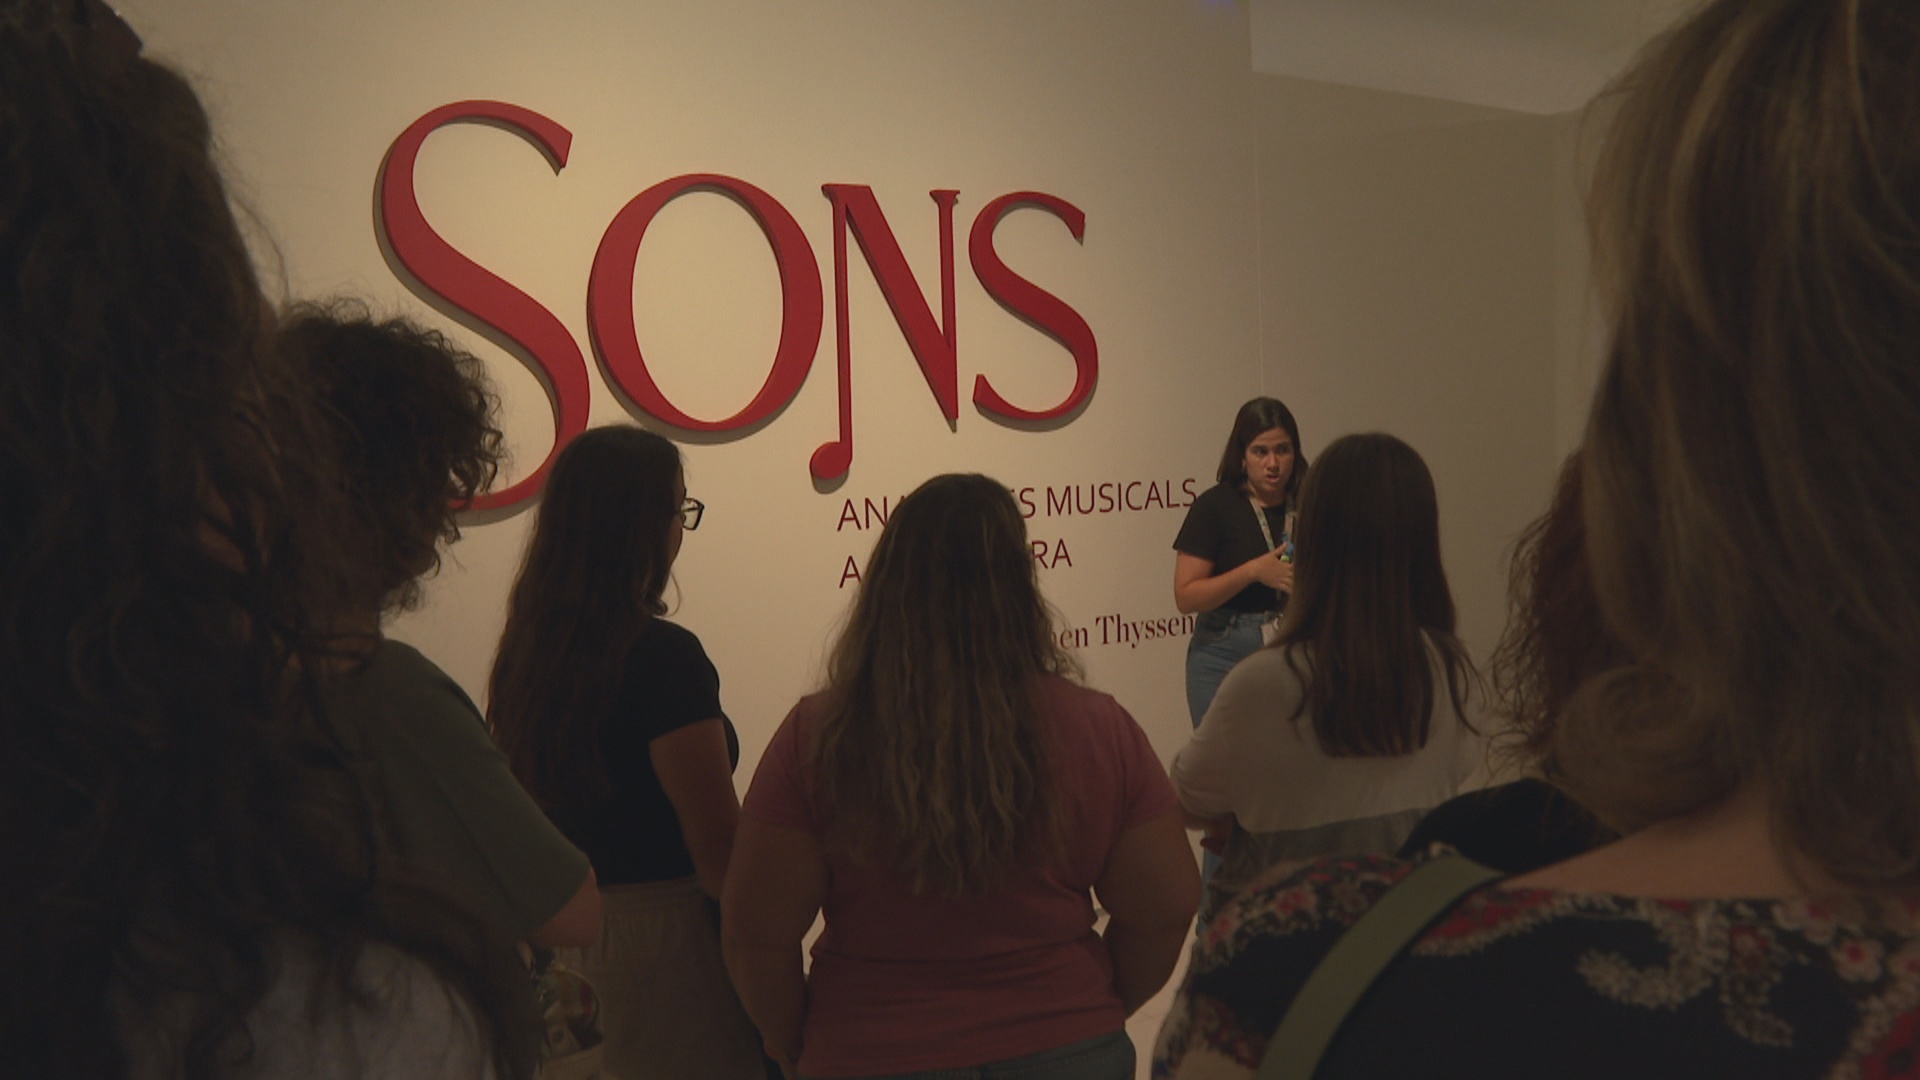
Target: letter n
{"type": "Point", "coordinates": [855, 207]}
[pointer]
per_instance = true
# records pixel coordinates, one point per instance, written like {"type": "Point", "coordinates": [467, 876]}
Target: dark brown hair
{"type": "Point", "coordinates": [1754, 448]}
{"type": "Point", "coordinates": [1370, 601]}
{"type": "Point", "coordinates": [1555, 637]}
{"type": "Point", "coordinates": [171, 811]}
{"type": "Point", "coordinates": [596, 567]}
{"type": "Point", "coordinates": [931, 752]}
{"type": "Point", "coordinates": [412, 419]}
{"type": "Point", "coordinates": [1256, 418]}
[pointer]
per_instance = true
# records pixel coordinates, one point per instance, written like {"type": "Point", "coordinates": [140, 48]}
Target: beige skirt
{"type": "Point", "coordinates": [667, 1007]}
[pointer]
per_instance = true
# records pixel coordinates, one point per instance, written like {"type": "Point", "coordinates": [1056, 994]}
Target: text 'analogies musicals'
{"type": "Point", "coordinates": [1067, 500]}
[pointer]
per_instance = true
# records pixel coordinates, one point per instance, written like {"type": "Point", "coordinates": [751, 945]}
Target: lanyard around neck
{"type": "Point", "coordinates": [1266, 530]}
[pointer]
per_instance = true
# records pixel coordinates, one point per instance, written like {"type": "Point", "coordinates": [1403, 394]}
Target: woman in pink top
{"type": "Point", "coordinates": [954, 801]}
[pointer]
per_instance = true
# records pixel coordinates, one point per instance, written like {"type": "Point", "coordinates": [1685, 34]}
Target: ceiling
{"type": "Point", "coordinates": [1537, 56]}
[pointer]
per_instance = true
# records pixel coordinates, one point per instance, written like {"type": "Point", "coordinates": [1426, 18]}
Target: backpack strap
{"type": "Point", "coordinates": [1336, 985]}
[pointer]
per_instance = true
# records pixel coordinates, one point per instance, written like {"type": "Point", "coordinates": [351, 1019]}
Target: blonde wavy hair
{"type": "Point", "coordinates": [1752, 464]}
{"type": "Point", "coordinates": [932, 755]}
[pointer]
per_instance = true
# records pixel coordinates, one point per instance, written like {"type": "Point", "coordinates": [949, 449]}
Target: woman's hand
{"type": "Point", "coordinates": [1196, 588]}
{"type": "Point", "coordinates": [775, 886]}
{"type": "Point", "coordinates": [1270, 570]}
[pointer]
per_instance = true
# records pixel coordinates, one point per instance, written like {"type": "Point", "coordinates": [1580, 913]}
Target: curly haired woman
{"type": "Point", "coordinates": [187, 887]}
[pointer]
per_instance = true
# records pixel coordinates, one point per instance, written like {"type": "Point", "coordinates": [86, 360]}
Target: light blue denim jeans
{"type": "Point", "coordinates": [1221, 639]}
{"type": "Point", "coordinates": [1105, 1057]}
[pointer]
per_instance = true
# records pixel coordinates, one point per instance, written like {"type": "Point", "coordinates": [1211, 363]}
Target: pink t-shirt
{"type": "Point", "coordinates": [905, 983]}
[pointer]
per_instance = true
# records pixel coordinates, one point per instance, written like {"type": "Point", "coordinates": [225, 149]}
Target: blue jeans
{"type": "Point", "coordinates": [1221, 639]}
{"type": "Point", "coordinates": [1105, 1057]}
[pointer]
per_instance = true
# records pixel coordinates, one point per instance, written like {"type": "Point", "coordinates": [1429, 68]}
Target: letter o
{"type": "Point", "coordinates": [610, 301]}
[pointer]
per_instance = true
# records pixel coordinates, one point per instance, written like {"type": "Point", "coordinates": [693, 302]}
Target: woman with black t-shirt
{"type": "Point", "coordinates": [1235, 550]}
{"type": "Point", "coordinates": [611, 717]}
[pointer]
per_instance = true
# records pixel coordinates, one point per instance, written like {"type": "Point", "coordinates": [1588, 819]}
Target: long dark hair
{"type": "Point", "coordinates": [1369, 595]}
{"type": "Point", "coordinates": [931, 752]}
{"type": "Point", "coordinates": [1555, 638]}
{"type": "Point", "coordinates": [596, 567]}
{"type": "Point", "coordinates": [1256, 418]}
{"type": "Point", "coordinates": [173, 816]}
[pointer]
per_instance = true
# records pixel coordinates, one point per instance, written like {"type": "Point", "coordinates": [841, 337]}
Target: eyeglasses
{"type": "Point", "coordinates": [690, 512]}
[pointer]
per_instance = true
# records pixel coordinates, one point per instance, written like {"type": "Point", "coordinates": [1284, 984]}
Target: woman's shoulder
{"type": "Point", "coordinates": [1333, 894]}
{"type": "Point", "coordinates": [801, 725]}
{"type": "Point", "coordinates": [1065, 688]}
{"type": "Point", "coordinates": [393, 666]}
{"type": "Point", "coordinates": [1089, 720]}
{"type": "Point", "coordinates": [1298, 900]}
{"type": "Point", "coordinates": [1216, 496]}
{"type": "Point", "coordinates": [664, 648]}
{"type": "Point", "coordinates": [661, 632]}
{"type": "Point", "coordinates": [1253, 957]}
{"type": "Point", "coordinates": [1627, 971]}
{"type": "Point", "coordinates": [808, 711]}
{"type": "Point", "coordinates": [400, 694]}
{"type": "Point", "coordinates": [1065, 698]}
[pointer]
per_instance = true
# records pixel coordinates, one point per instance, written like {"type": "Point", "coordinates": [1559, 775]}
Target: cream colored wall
{"type": "Point", "coordinates": [1580, 335]}
{"type": "Point", "coordinates": [1409, 285]}
{"type": "Point", "coordinates": [1136, 113]}
{"type": "Point", "coordinates": [1379, 261]}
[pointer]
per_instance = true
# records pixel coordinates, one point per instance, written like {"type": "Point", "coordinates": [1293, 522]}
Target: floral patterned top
{"type": "Point", "coordinates": [1538, 982]}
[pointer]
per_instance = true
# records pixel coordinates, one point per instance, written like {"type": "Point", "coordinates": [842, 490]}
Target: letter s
{"type": "Point", "coordinates": [518, 322]}
{"type": "Point", "coordinates": [1031, 302]}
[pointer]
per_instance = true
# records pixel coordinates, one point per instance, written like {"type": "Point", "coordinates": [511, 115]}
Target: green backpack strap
{"type": "Point", "coordinates": [1395, 922]}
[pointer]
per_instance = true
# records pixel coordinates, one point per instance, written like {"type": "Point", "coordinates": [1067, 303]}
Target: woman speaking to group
{"type": "Point", "coordinates": [1235, 562]}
